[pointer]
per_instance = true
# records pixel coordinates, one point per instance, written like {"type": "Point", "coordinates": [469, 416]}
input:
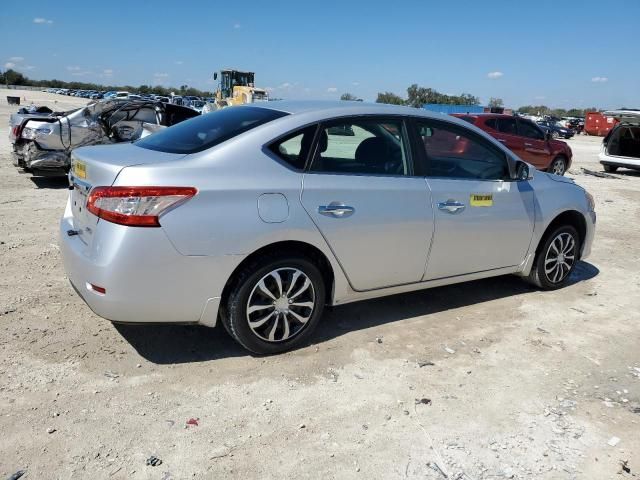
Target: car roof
{"type": "Point", "coordinates": [343, 108]}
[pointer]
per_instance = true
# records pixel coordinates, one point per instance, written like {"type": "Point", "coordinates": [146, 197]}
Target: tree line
{"type": "Point", "coordinates": [12, 77]}
{"type": "Point", "coordinates": [418, 96]}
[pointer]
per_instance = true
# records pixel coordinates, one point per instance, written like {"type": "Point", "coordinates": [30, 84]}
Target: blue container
{"type": "Point", "coordinates": [449, 109]}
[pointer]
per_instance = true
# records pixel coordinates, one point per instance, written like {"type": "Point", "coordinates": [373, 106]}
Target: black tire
{"type": "Point", "coordinates": [538, 275]}
{"type": "Point", "coordinates": [234, 313]}
{"type": "Point", "coordinates": [610, 168]}
{"type": "Point", "coordinates": [559, 165]}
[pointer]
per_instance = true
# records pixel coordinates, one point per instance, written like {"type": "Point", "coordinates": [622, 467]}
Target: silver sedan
{"type": "Point", "coordinates": [258, 216]}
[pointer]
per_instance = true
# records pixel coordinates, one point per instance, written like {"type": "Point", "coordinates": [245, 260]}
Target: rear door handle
{"type": "Point", "coordinates": [528, 145]}
{"type": "Point", "coordinates": [451, 206]}
{"type": "Point", "coordinates": [502, 140]}
{"type": "Point", "coordinates": [336, 210]}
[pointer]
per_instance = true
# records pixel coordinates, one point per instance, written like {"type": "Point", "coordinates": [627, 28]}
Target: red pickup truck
{"type": "Point", "coordinates": [525, 139]}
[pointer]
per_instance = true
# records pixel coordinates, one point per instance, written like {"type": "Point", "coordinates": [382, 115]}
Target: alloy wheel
{"type": "Point", "coordinates": [560, 257]}
{"type": "Point", "coordinates": [558, 167]}
{"type": "Point", "coordinates": [280, 304]}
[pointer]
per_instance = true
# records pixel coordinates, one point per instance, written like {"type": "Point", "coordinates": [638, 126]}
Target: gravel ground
{"type": "Point", "coordinates": [489, 379]}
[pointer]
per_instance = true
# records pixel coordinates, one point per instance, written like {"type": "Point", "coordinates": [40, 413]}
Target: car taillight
{"type": "Point", "coordinates": [136, 206]}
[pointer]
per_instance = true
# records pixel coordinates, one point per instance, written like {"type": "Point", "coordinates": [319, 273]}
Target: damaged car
{"type": "Point", "coordinates": [43, 140]}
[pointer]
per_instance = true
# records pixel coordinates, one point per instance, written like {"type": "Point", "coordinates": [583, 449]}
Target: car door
{"type": "Point", "coordinates": [536, 146]}
{"type": "Point", "coordinates": [483, 219]}
{"type": "Point", "coordinates": [361, 192]}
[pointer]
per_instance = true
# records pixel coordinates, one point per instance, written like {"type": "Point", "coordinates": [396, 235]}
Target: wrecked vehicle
{"type": "Point", "coordinates": [43, 141]}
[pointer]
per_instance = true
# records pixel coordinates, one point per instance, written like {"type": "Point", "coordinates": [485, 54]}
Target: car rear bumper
{"type": "Point", "coordinates": [624, 162]}
{"type": "Point", "coordinates": [146, 279]}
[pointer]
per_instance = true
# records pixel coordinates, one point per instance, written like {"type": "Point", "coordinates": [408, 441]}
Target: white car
{"type": "Point", "coordinates": [621, 146]}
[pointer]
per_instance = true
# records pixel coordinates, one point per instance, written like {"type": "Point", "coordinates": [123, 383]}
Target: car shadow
{"type": "Point", "coordinates": [171, 344]}
{"type": "Point", "coordinates": [54, 183]}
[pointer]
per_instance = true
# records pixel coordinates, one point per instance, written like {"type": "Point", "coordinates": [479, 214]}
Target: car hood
{"type": "Point", "coordinates": [631, 117]}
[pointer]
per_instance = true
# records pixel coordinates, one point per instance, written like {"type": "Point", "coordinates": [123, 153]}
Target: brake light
{"type": "Point", "coordinates": [136, 206]}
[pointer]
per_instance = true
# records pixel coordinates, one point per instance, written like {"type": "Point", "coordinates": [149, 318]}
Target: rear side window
{"type": "Point", "coordinates": [492, 123]}
{"type": "Point", "coordinates": [529, 130]}
{"type": "Point", "coordinates": [294, 149]}
{"type": "Point", "coordinates": [362, 147]}
{"type": "Point", "coordinates": [206, 131]}
{"type": "Point", "coordinates": [507, 125]}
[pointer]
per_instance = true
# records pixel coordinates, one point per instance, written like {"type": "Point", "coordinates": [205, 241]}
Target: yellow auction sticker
{"type": "Point", "coordinates": [80, 170]}
{"type": "Point", "coordinates": [481, 200]}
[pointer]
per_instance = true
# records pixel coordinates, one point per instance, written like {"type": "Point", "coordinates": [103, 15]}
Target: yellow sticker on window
{"type": "Point", "coordinates": [481, 200]}
{"type": "Point", "coordinates": [80, 170]}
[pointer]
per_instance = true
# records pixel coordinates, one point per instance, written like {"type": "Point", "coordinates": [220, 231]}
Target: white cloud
{"type": "Point", "coordinates": [179, 62]}
{"type": "Point", "coordinates": [82, 73]}
{"type": "Point", "coordinates": [28, 67]}
{"type": "Point", "coordinates": [599, 79]}
{"type": "Point", "coordinates": [74, 68]}
{"type": "Point", "coordinates": [285, 85]}
{"type": "Point", "coordinates": [540, 97]}
{"type": "Point", "coordinates": [16, 59]}
{"type": "Point", "coordinates": [161, 75]}
{"type": "Point", "coordinates": [107, 71]}
{"type": "Point", "coordinates": [332, 89]}
{"type": "Point", "coordinates": [236, 26]}
{"type": "Point", "coordinates": [9, 65]}
{"type": "Point", "coordinates": [355, 84]}
{"type": "Point", "coordinates": [42, 20]}
{"type": "Point", "coordinates": [494, 75]}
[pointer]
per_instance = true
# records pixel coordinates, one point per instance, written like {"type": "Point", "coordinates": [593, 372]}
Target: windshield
{"type": "Point", "coordinates": [206, 131]}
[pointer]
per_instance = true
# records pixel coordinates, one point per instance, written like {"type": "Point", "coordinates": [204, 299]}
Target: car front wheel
{"type": "Point", "coordinates": [558, 166]}
{"type": "Point", "coordinates": [610, 168]}
{"type": "Point", "coordinates": [556, 259]}
{"type": "Point", "coordinates": [275, 303]}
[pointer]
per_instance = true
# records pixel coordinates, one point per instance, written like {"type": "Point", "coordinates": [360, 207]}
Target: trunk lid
{"type": "Point", "coordinates": [99, 166]}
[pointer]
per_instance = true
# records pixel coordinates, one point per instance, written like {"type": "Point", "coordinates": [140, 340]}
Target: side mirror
{"type": "Point", "coordinates": [548, 136]}
{"type": "Point", "coordinates": [215, 76]}
{"type": "Point", "coordinates": [522, 171]}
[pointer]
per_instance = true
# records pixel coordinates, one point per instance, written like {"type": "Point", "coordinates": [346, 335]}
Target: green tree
{"type": "Point", "coordinates": [349, 97]}
{"type": "Point", "coordinates": [495, 102]}
{"type": "Point", "coordinates": [390, 98]}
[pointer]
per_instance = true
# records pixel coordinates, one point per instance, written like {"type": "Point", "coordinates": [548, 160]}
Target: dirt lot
{"type": "Point", "coordinates": [520, 383]}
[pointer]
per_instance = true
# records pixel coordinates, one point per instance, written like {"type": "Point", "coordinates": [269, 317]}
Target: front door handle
{"type": "Point", "coordinates": [502, 140]}
{"type": "Point", "coordinates": [451, 206]}
{"type": "Point", "coordinates": [528, 145]}
{"type": "Point", "coordinates": [336, 210]}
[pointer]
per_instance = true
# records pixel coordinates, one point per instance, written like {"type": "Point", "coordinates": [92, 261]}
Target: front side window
{"type": "Point", "coordinates": [206, 131]}
{"type": "Point", "coordinates": [529, 130]}
{"type": "Point", "coordinates": [454, 152]}
{"type": "Point", "coordinates": [362, 147]}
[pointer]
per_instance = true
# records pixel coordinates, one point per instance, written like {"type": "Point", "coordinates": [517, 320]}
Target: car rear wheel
{"type": "Point", "coordinates": [610, 168]}
{"type": "Point", "coordinates": [558, 166]}
{"type": "Point", "coordinates": [275, 303]}
{"type": "Point", "coordinates": [556, 259]}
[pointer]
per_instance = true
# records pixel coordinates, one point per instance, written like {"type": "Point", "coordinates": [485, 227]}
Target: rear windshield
{"type": "Point", "coordinates": [206, 131]}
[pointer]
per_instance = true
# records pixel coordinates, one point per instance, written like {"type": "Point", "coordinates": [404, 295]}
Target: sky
{"type": "Point", "coordinates": [557, 53]}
